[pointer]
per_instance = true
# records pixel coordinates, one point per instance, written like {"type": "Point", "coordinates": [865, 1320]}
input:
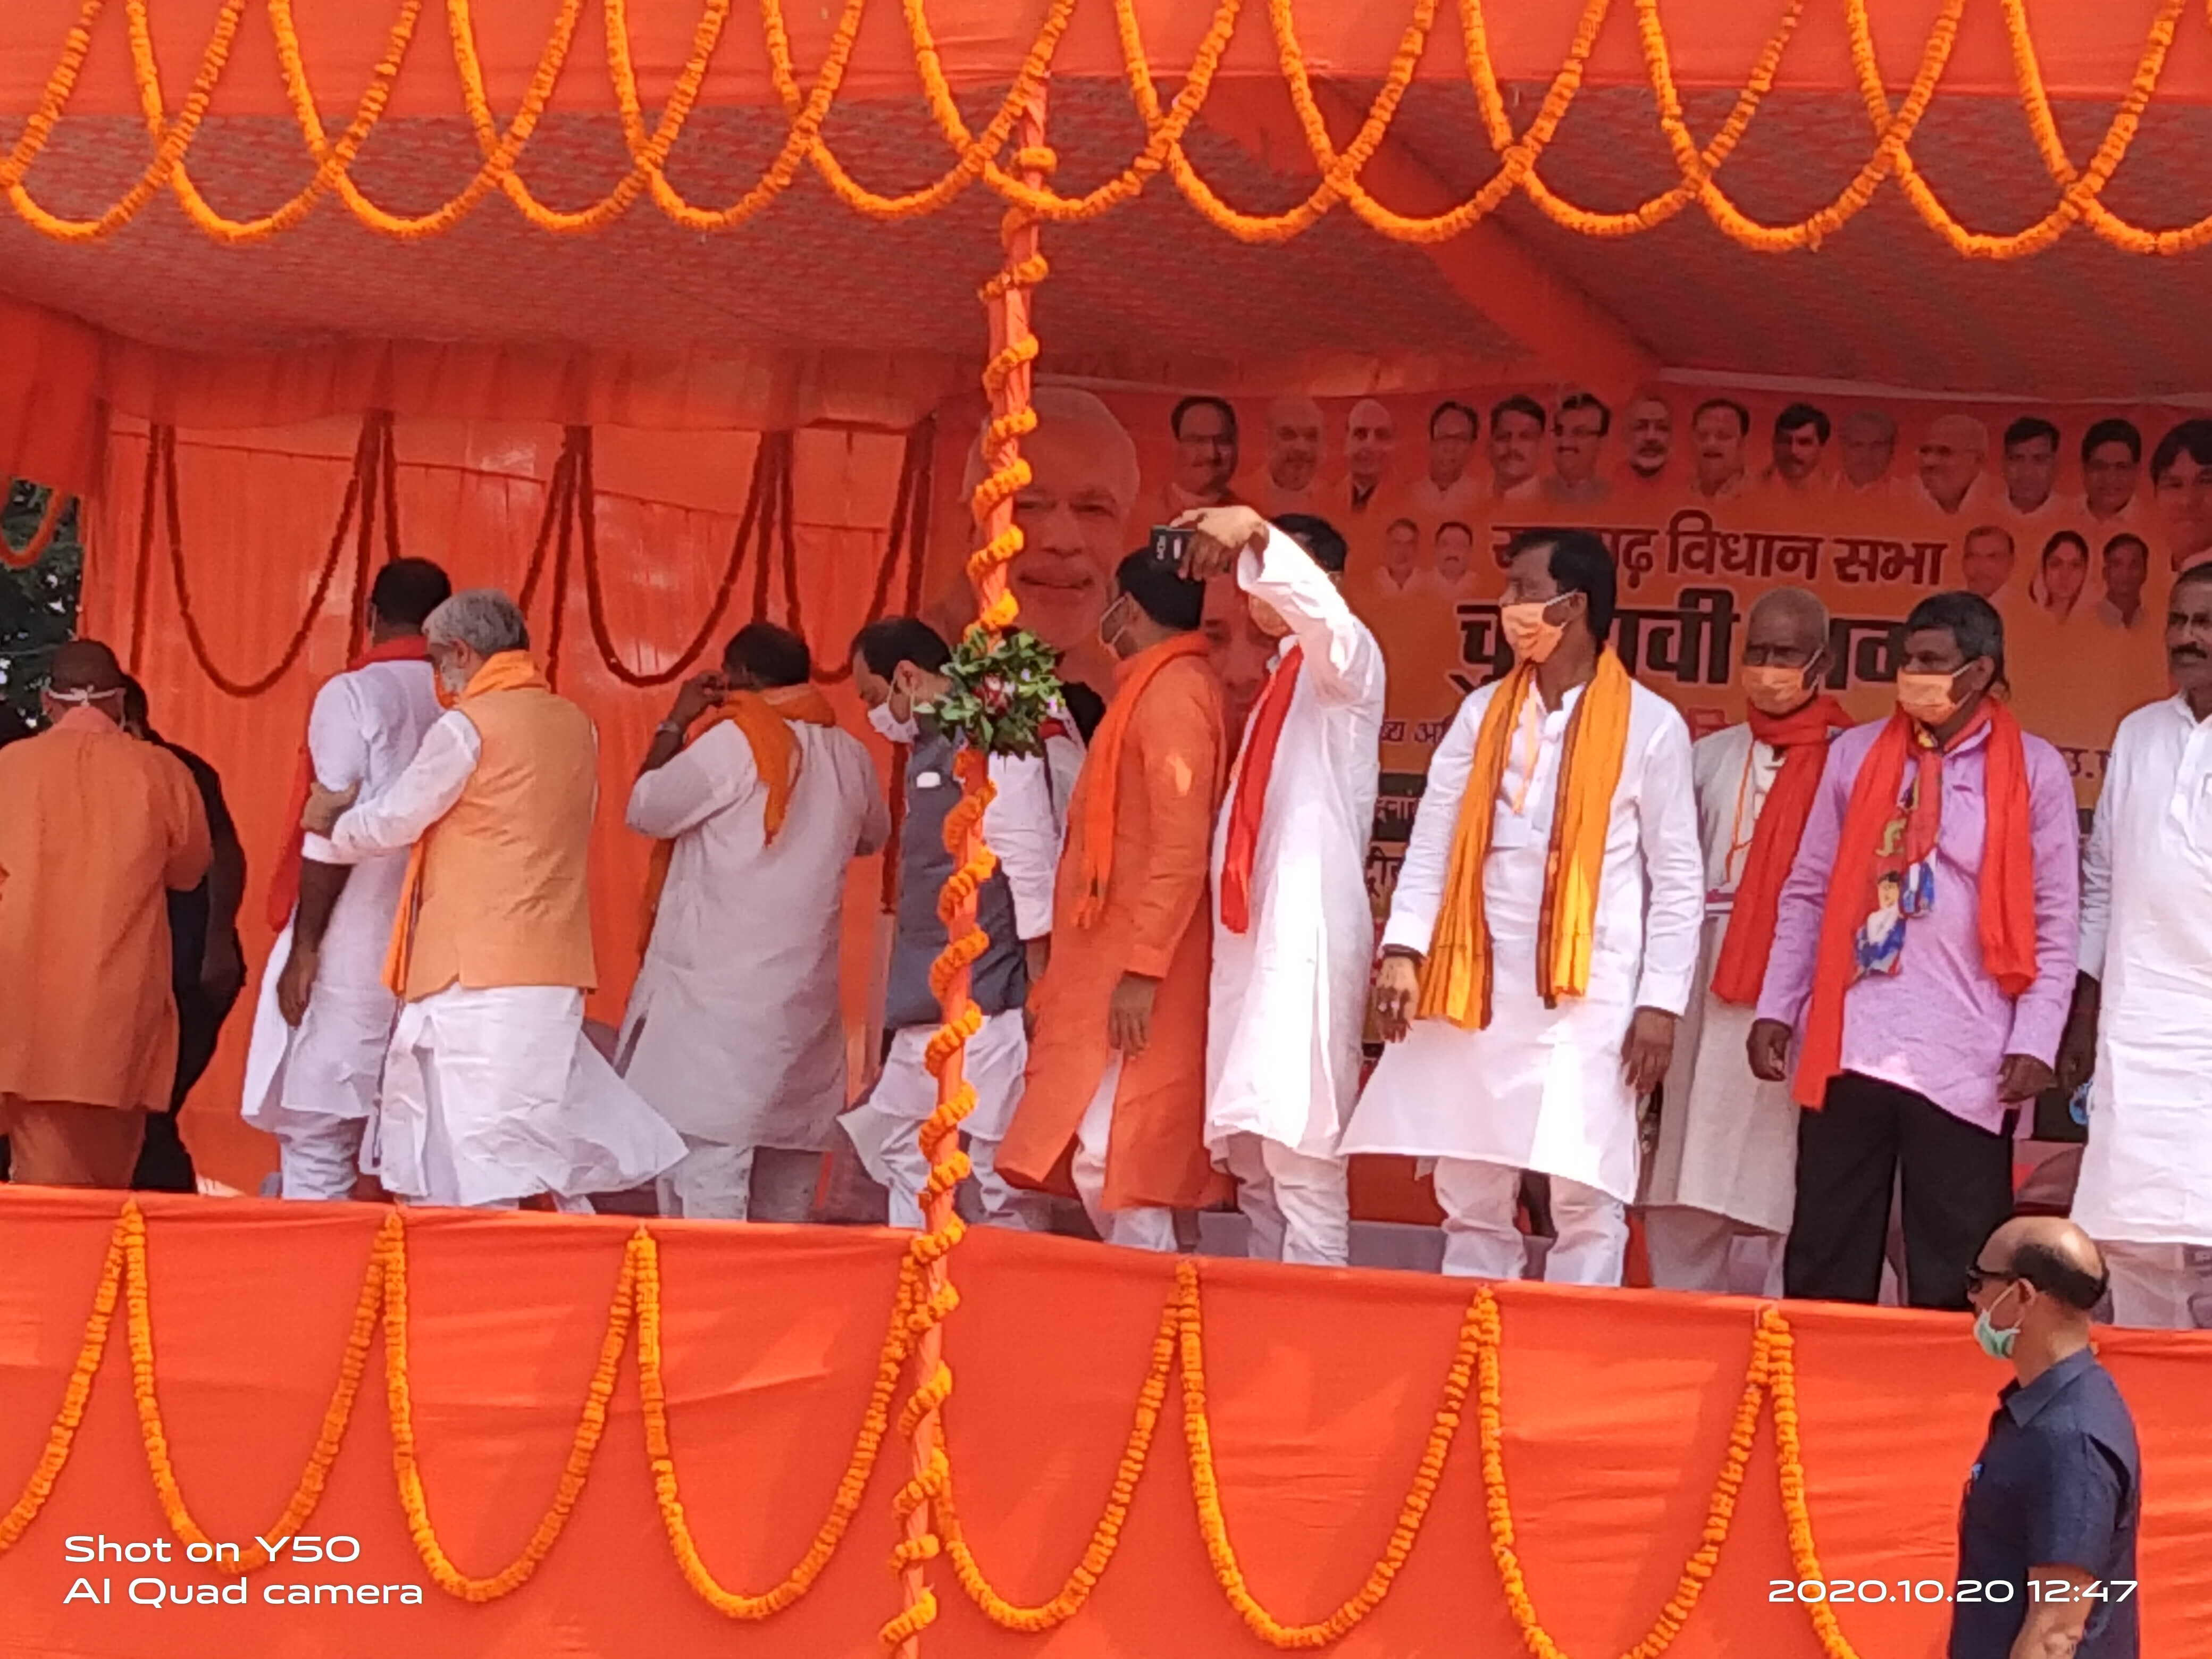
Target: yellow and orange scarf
{"type": "Point", "coordinates": [505, 670]}
{"type": "Point", "coordinates": [1102, 767]}
{"type": "Point", "coordinates": [766, 719]}
{"type": "Point", "coordinates": [1455, 981]}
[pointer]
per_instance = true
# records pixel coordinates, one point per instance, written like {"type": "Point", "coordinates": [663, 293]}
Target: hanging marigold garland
{"type": "Point", "coordinates": [58, 507]}
{"type": "Point", "coordinates": [977, 153]}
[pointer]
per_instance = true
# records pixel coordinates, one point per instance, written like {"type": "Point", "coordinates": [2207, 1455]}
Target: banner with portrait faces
{"type": "Point", "coordinates": [2072, 523]}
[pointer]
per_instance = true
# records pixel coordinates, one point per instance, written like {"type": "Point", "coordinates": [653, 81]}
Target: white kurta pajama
{"type": "Point", "coordinates": [735, 1032]}
{"type": "Point", "coordinates": [2145, 1192]}
{"type": "Point", "coordinates": [1024, 825]}
{"type": "Point", "coordinates": [1288, 996]}
{"type": "Point", "coordinates": [1722, 1178]}
{"type": "Point", "coordinates": [491, 1095]}
{"type": "Point", "coordinates": [1541, 1089]}
{"type": "Point", "coordinates": [314, 1086]}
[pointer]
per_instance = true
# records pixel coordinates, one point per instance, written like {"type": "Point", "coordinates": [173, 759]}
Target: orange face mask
{"type": "Point", "coordinates": [1774, 688]}
{"type": "Point", "coordinates": [1928, 698]}
{"type": "Point", "coordinates": [1532, 635]}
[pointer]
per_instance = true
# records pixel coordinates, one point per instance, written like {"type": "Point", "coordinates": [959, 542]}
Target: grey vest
{"type": "Point", "coordinates": [999, 979]}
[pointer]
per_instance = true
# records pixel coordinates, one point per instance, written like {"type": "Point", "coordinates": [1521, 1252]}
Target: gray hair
{"type": "Point", "coordinates": [483, 619]}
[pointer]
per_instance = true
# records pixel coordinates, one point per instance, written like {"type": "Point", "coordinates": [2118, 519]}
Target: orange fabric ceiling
{"type": "Point", "coordinates": [2089, 51]}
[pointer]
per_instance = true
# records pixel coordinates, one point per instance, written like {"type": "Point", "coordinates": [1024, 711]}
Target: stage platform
{"type": "Point", "coordinates": [1319, 1393]}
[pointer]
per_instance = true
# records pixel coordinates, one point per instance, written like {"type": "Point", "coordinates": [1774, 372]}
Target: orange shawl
{"type": "Point", "coordinates": [1102, 766]}
{"type": "Point", "coordinates": [2008, 876]}
{"type": "Point", "coordinates": [1455, 981]}
{"type": "Point", "coordinates": [1803, 737]}
{"type": "Point", "coordinates": [1250, 806]}
{"type": "Point", "coordinates": [766, 719]}
{"type": "Point", "coordinates": [285, 881]}
{"type": "Point", "coordinates": [505, 670]}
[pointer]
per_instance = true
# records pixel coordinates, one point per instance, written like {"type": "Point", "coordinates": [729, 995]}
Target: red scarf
{"type": "Point", "coordinates": [1803, 737]}
{"type": "Point", "coordinates": [285, 881]}
{"type": "Point", "coordinates": [1251, 804]}
{"type": "Point", "coordinates": [2008, 876]}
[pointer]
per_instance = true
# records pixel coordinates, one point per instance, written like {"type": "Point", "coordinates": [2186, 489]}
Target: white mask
{"type": "Point", "coordinates": [889, 727]}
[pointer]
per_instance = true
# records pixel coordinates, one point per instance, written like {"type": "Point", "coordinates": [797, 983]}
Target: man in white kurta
{"type": "Point", "coordinates": [1293, 928]}
{"type": "Point", "coordinates": [325, 1014]}
{"type": "Point", "coordinates": [2145, 995]}
{"type": "Point", "coordinates": [1719, 1190]}
{"type": "Point", "coordinates": [735, 1032]}
{"type": "Point", "coordinates": [898, 668]}
{"type": "Point", "coordinates": [1552, 1089]}
{"type": "Point", "coordinates": [492, 1094]}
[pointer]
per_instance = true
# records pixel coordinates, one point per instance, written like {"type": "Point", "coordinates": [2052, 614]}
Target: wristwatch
{"type": "Point", "coordinates": [673, 728]}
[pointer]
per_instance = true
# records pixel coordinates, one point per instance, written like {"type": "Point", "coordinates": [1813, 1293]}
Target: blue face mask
{"type": "Point", "coordinates": [1997, 1343]}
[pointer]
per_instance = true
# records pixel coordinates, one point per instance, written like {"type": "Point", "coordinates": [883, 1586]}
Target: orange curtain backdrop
{"type": "Point", "coordinates": [1320, 1389]}
{"type": "Point", "coordinates": [2087, 51]}
{"type": "Point", "coordinates": [257, 510]}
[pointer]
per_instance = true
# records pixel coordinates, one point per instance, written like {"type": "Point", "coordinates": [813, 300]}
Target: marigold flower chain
{"type": "Point", "coordinates": [978, 155]}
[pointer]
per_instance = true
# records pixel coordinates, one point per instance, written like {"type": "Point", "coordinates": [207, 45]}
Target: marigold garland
{"type": "Point", "coordinates": [1769, 1379]}
{"type": "Point", "coordinates": [56, 508]}
{"type": "Point", "coordinates": [978, 155]}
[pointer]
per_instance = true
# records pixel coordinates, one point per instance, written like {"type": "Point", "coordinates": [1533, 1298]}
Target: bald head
{"type": "Point", "coordinates": [85, 667]}
{"type": "Point", "coordinates": [2053, 1255]}
{"type": "Point", "coordinates": [1793, 614]}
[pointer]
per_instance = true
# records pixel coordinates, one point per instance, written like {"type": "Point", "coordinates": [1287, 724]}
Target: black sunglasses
{"type": "Point", "coordinates": [1979, 1279]}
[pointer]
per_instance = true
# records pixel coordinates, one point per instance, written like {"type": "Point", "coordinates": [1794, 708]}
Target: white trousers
{"type": "Point", "coordinates": [2160, 1287]}
{"type": "Point", "coordinates": [1694, 1250]}
{"type": "Point", "coordinates": [1146, 1227]}
{"type": "Point", "coordinates": [1298, 1205]}
{"type": "Point", "coordinates": [715, 1182]}
{"type": "Point", "coordinates": [1481, 1242]}
{"type": "Point", "coordinates": [318, 1157]}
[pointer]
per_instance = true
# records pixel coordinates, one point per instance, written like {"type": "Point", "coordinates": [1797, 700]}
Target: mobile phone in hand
{"type": "Point", "coordinates": [1172, 543]}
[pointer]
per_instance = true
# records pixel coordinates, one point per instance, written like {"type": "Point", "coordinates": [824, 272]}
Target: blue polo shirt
{"type": "Point", "coordinates": [2058, 1484]}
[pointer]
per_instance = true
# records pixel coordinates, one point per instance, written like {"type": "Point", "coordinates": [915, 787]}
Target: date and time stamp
{"type": "Point", "coordinates": [1951, 1593]}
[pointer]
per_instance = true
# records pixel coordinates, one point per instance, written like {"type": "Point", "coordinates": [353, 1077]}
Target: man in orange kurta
{"type": "Point", "coordinates": [97, 830]}
{"type": "Point", "coordinates": [1113, 1106]}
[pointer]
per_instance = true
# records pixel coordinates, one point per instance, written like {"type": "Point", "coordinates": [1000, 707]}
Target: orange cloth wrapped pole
{"type": "Point", "coordinates": [1006, 378]}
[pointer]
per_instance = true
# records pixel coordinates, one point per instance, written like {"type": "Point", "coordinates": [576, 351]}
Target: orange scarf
{"type": "Point", "coordinates": [285, 881]}
{"type": "Point", "coordinates": [1251, 804]}
{"type": "Point", "coordinates": [505, 670]}
{"type": "Point", "coordinates": [2008, 876]}
{"type": "Point", "coordinates": [1803, 737]}
{"type": "Point", "coordinates": [1455, 981]}
{"type": "Point", "coordinates": [1102, 767]}
{"type": "Point", "coordinates": [766, 719]}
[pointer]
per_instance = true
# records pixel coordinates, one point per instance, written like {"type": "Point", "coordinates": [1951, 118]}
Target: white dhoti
{"type": "Point", "coordinates": [1143, 1227]}
{"type": "Point", "coordinates": [1298, 1204]}
{"type": "Point", "coordinates": [493, 1096]}
{"type": "Point", "coordinates": [314, 1085]}
{"type": "Point", "coordinates": [884, 1129]}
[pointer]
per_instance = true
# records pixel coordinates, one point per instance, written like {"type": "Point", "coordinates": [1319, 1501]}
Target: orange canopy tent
{"type": "Point", "coordinates": [664, 315]}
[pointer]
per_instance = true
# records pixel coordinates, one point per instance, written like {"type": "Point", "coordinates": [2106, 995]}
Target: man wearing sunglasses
{"type": "Point", "coordinates": [2047, 1531]}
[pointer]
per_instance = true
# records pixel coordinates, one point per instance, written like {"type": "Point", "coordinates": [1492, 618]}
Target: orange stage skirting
{"type": "Point", "coordinates": [1321, 1390]}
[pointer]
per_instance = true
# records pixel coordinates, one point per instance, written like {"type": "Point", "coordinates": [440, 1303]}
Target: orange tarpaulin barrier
{"type": "Point", "coordinates": [1320, 1392]}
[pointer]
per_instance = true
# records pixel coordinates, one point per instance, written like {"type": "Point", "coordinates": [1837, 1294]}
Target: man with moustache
{"type": "Point", "coordinates": [1370, 438]}
{"type": "Point", "coordinates": [1869, 445]}
{"type": "Point", "coordinates": [2142, 1026]}
{"type": "Point", "coordinates": [2181, 483]}
{"type": "Point", "coordinates": [2031, 470]}
{"type": "Point", "coordinates": [1577, 433]}
{"type": "Point", "coordinates": [1294, 455]}
{"type": "Point", "coordinates": [1448, 490]}
{"type": "Point", "coordinates": [1723, 1172]}
{"type": "Point", "coordinates": [1720, 427]}
{"type": "Point", "coordinates": [1516, 439]}
{"type": "Point", "coordinates": [1800, 440]}
{"type": "Point", "coordinates": [1454, 578]}
{"type": "Point", "coordinates": [1650, 425]}
{"type": "Point", "coordinates": [1951, 459]}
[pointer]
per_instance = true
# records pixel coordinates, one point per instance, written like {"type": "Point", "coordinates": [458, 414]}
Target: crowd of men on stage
{"type": "Point", "coordinates": [1843, 959]}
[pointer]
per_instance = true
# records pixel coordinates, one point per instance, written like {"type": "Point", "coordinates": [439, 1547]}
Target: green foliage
{"type": "Point", "coordinates": [1001, 693]}
{"type": "Point", "coordinates": [38, 606]}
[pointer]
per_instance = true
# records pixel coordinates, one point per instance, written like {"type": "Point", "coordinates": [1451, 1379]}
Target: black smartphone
{"type": "Point", "coordinates": [1172, 543]}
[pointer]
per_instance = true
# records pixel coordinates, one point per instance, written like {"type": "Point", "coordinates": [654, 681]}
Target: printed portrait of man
{"type": "Point", "coordinates": [1578, 433]}
{"type": "Point", "coordinates": [1869, 447]}
{"type": "Point", "coordinates": [1801, 444]}
{"type": "Point", "coordinates": [1516, 446]}
{"type": "Point", "coordinates": [2111, 470]}
{"type": "Point", "coordinates": [1986, 563]}
{"type": "Point", "coordinates": [1952, 457]}
{"type": "Point", "coordinates": [1206, 456]}
{"type": "Point", "coordinates": [2030, 469]}
{"type": "Point", "coordinates": [1449, 487]}
{"type": "Point", "coordinates": [1719, 429]}
{"type": "Point", "coordinates": [1295, 449]}
{"type": "Point", "coordinates": [2181, 484]}
{"type": "Point", "coordinates": [1651, 433]}
{"type": "Point", "coordinates": [1370, 439]}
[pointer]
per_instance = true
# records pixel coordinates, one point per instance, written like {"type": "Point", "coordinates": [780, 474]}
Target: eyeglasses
{"type": "Point", "coordinates": [1980, 1279]}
